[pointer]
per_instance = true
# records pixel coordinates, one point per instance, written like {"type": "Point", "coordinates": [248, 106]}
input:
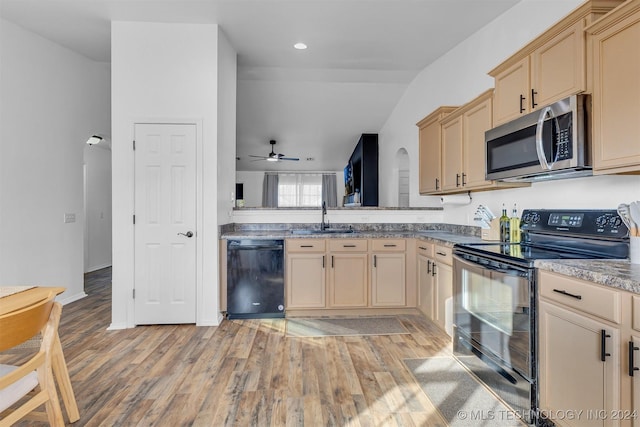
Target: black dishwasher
{"type": "Point", "coordinates": [255, 279]}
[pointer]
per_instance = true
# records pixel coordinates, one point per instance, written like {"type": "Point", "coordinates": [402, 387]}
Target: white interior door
{"type": "Point", "coordinates": [165, 220]}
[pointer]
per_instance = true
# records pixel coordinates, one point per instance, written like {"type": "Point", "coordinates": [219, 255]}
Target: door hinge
{"type": "Point", "coordinates": [134, 145]}
{"type": "Point", "coordinates": [134, 293]}
{"type": "Point", "coordinates": [134, 220]}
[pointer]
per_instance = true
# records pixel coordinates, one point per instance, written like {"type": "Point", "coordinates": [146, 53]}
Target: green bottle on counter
{"type": "Point", "coordinates": [514, 226]}
{"type": "Point", "coordinates": [504, 225]}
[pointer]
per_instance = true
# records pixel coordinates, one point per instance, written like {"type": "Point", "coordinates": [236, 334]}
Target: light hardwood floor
{"type": "Point", "coordinates": [242, 373]}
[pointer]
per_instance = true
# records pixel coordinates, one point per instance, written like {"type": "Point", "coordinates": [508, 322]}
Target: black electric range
{"type": "Point", "coordinates": [494, 297]}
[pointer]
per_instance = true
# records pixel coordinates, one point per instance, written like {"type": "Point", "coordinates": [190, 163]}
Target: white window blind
{"type": "Point", "coordinates": [299, 190]}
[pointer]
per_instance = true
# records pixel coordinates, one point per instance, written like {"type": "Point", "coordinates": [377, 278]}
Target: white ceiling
{"type": "Point", "coordinates": [362, 55]}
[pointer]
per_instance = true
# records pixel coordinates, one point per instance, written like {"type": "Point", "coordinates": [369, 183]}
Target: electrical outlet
{"type": "Point", "coordinates": [421, 218]}
{"type": "Point", "coordinates": [69, 217]}
{"type": "Point", "coordinates": [364, 218]}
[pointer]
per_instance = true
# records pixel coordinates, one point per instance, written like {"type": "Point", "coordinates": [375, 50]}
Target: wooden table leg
{"type": "Point", "coordinates": [64, 383]}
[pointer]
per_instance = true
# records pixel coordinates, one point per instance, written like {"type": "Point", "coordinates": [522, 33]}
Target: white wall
{"type": "Point", "coordinates": [164, 72]}
{"type": "Point", "coordinates": [459, 76]}
{"type": "Point", "coordinates": [227, 83]}
{"type": "Point", "coordinates": [52, 100]}
{"type": "Point", "coordinates": [97, 250]}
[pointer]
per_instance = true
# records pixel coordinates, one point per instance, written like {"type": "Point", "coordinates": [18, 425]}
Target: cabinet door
{"type": "Point", "coordinates": [426, 288]}
{"type": "Point", "coordinates": [572, 374]}
{"type": "Point", "coordinates": [388, 280]}
{"type": "Point", "coordinates": [476, 122]}
{"type": "Point", "coordinates": [616, 100]}
{"type": "Point", "coordinates": [511, 84]}
{"type": "Point", "coordinates": [558, 67]}
{"type": "Point", "coordinates": [430, 158]}
{"type": "Point", "coordinates": [635, 380]}
{"type": "Point", "coordinates": [348, 280]}
{"type": "Point", "coordinates": [444, 297]}
{"type": "Point", "coordinates": [452, 154]}
{"type": "Point", "coordinates": [306, 280]}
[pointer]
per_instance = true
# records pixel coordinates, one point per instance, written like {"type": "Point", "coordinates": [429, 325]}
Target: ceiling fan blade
{"type": "Point", "coordinates": [295, 159]}
{"type": "Point", "coordinates": [260, 157]}
{"type": "Point", "coordinates": [258, 160]}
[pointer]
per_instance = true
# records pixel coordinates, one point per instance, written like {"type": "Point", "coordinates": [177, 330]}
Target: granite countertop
{"type": "Point", "coordinates": [447, 238]}
{"type": "Point", "coordinates": [620, 274]}
{"type": "Point", "coordinates": [440, 237]}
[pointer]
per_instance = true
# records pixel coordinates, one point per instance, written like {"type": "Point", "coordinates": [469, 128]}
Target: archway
{"type": "Point", "coordinates": [402, 168]}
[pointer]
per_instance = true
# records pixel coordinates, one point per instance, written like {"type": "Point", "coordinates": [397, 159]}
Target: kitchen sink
{"type": "Point", "coordinates": [326, 231]}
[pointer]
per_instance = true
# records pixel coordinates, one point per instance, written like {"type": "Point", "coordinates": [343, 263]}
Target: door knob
{"type": "Point", "coordinates": [188, 234]}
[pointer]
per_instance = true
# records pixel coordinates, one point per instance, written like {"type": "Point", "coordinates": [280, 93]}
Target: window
{"type": "Point", "coordinates": [299, 190]}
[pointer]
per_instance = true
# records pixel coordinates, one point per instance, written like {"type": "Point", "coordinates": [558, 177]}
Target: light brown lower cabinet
{"type": "Point", "coordinates": [631, 370]}
{"type": "Point", "coordinates": [346, 273]}
{"type": "Point", "coordinates": [306, 272]}
{"type": "Point", "coordinates": [589, 339]}
{"type": "Point", "coordinates": [426, 279]}
{"type": "Point", "coordinates": [388, 266]}
{"type": "Point", "coordinates": [435, 283]}
{"type": "Point", "coordinates": [574, 378]}
{"type": "Point", "coordinates": [348, 278]}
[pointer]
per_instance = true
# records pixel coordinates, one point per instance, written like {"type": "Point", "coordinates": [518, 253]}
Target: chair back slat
{"type": "Point", "coordinates": [19, 326]}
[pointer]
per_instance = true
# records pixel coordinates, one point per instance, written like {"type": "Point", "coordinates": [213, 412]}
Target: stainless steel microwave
{"type": "Point", "coordinates": [549, 143]}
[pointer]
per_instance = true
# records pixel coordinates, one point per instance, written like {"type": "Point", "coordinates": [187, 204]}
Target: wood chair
{"type": "Point", "coordinates": [17, 382]}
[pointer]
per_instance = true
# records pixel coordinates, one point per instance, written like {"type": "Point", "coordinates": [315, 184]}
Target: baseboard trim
{"type": "Point", "coordinates": [117, 326]}
{"type": "Point", "coordinates": [72, 298]}
{"type": "Point", "coordinates": [98, 267]}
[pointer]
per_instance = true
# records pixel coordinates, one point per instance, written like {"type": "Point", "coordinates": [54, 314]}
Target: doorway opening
{"type": "Point", "coordinates": [402, 166]}
{"type": "Point", "coordinates": [97, 206]}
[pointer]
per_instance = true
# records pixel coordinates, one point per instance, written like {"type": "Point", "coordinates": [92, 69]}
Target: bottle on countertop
{"type": "Point", "coordinates": [504, 225]}
{"type": "Point", "coordinates": [356, 196]}
{"type": "Point", "coordinates": [514, 226]}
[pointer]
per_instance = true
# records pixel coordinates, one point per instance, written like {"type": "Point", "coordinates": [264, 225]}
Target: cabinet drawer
{"type": "Point", "coordinates": [305, 245]}
{"type": "Point", "coordinates": [388, 245]}
{"type": "Point", "coordinates": [581, 295]}
{"type": "Point", "coordinates": [347, 245]}
{"type": "Point", "coordinates": [443, 254]}
{"type": "Point", "coordinates": [424, 248]}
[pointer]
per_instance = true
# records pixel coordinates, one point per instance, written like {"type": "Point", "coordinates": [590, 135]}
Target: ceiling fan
{"type": "Point", "coordinates": [272, 156]}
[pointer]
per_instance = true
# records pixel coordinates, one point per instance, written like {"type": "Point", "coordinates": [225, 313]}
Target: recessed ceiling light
{"type": "Point", "coordinates": [300, 46]}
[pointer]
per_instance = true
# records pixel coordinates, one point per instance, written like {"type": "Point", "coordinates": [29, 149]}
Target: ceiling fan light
{"type": "Point", "coordinates": [272, 159]}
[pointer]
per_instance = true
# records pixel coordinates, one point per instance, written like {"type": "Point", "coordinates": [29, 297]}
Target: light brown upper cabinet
{"type": "Point", "coordinates": [615, 64]}
{"type": "Point", "coordinates": [463, 148]}
{"type": "Point", "coordinates": [551, 67]}
{"type": "Point", "coordinates": [430, 141]}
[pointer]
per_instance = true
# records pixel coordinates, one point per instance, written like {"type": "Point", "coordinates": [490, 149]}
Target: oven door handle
{"type": "Point", "coordinates": [514, 271]}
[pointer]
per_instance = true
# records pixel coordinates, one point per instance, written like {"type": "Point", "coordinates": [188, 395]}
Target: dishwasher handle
{"type": "Point", "coordinates": [267, 246]}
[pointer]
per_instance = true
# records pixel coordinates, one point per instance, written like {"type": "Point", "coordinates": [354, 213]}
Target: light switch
{"type": "Point", "coordinates": [69, 217]}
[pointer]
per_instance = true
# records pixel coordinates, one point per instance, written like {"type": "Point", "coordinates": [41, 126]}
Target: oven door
{"type": "Point", "coordinates": [492, 307]}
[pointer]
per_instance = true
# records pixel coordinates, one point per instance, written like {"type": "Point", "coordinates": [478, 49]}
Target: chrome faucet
{"type": "Point", "coordinates": [324, 226]}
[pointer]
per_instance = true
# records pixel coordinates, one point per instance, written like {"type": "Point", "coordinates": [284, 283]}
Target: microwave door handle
{"type": "Point", "coordinates": [542, 157]}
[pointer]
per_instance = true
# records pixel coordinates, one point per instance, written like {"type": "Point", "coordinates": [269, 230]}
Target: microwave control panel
{"type": "Point", "coordinates": [563, 148]}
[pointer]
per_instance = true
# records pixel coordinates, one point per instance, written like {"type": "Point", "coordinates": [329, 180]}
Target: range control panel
{"type": "Point", "coordinates": [603, 223]}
